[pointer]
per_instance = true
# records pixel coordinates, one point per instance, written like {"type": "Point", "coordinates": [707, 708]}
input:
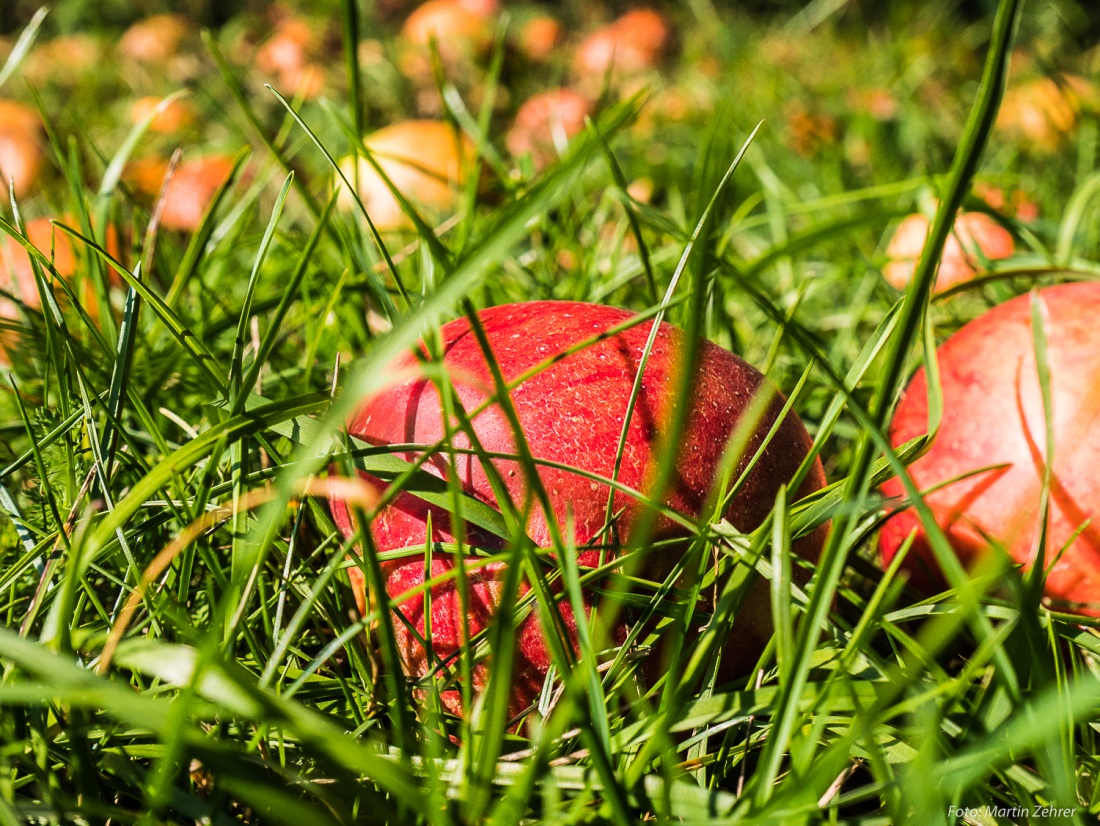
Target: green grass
{"type": "Point", "coordinates": [181, 643]}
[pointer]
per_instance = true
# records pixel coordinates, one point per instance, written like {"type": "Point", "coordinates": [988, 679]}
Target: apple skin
{"type": "Point", "coordinates": [993, 415]}
{"type": "Point", "coordinates": [571, 412]}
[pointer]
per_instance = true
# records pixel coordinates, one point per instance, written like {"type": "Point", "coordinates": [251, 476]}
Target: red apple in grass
{"type": "Point", "coordinates": [993, 415]}
{"type": "Point", "coordinates": [571, 413]}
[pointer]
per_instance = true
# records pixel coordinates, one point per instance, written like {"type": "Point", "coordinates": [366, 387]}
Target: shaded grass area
{"type": "Point", "coordinates": [182, 643]}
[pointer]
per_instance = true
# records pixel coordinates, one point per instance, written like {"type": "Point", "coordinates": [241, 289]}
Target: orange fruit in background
{"type": "Point", "coordinates": [156, 38]}
{"type": "Point", "coordinates": [426, 160]}
{"type": "Point", "coordinates": [975, 236]}
{"type": "Point", "coordinates": [459, 29]}
{"type": "Point", "coordinates": [190, 191]}
{"type": "Point", "coordinates": [633, 43]}
{"type": "Point", "coordinates": [292, 54]}
{"type": "Point", "coordinates": [177, 115]}
{"type": "Point", "coordinates": [21, 154]}
{"type": "Point", "coordinates": [1042, 111]}
{"type": "Point", "coordinates": [545, 120]}
{"type": "Point", "coordinates": [538, 37]}
{"type": "Point", "coordinates": [17, 275]}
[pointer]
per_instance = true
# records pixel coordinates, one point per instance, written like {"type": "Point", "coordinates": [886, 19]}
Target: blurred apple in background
{"type": "Point", "coordinates": [974, 239]}
{"type": "Point", "coordinates": [177, 115]}
{"type": "Point", "coordinates": [428, 162]}
{"type": "Point", "coordinates": [294, 58]}
{"type": "Point", "coordinates": [190, 191]}
{"type": "Point", "coordinates": [1042, 111]}
{"type": "Point", "coordinates": [156, 39]}
{"type": "Point", "coordinates": [632, 44]}
{"type": "Point", "coordinates": [21, 153]}
{"type": "Point", "coordinates": [17, 281]}
{"type": "Point", "coordinates": [545, 123]}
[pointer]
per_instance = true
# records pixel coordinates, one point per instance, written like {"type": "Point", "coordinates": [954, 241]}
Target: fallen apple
{"type": "Point", "coordinates": [17, 281]}
{"type": "Point", "coordinates": [157, 38]}
{"type": "Point", "coordinates": [993, 417]}
{"type": "Point", "coordinates": [1042, 111]}
{"type": "Point", "coordinates": [461, 31]}
{"type": "Point", "coordinates": [975, 238]}
{"type": "Point", "coordinates": [21, 140]}
{"type": "Point", "coordinates": [190, 191]}
{"type": "Point", "coordinates": [538, 37]}
{"type": "Point", "coordinates": [293, 54]}
{"type": "Point", "coordinates": [177, 115]}
{"type": "Point", "coordinates": [545, 123]}
{"type": "Point", "coordinates": [571, 414]}
{"type": "Point", "coordinates": [628, 45]}
{"type": "Point", "coordinates": [426, 160]}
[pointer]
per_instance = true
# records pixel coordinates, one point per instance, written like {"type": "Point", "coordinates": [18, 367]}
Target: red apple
{"type": "Point", "coordinates": [993, 415]}
{"type": "Point", "coordinates": [975, 236]}
{"type": "Point", "coordinates": [571, 413]}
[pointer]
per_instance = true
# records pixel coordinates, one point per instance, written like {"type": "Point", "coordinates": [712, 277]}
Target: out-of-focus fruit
{"type": "Point", "coordinates": [545, 123]}
{"type": "Point", "coordinates": [993, 416]}
{"type": "Point", "coordinates": [1018, 202]}
{"type": "Point", "coordinates": [460, 32]}
{"type": "Point", "coordinates": [21, 153]}
{"type": "Point", "coordinates": [1042, 111]}
{"type": "Point", "coordinates": [571, 413]}
{"type": "Point", "coordinates": [876, 101]}
{"type": "Point", "coordinates": [64, 59]}
{"type": "Point", "coordinates": [292, 54]}
{"type": "Point", "coordinates": [177, 115]}
{"type": "Point", "coordinates": [190, 191]}
{"type": "Point", "coordinates": [425, 159]}
{"type": "Point", "coordinates": [156, 39]}
{"type": "Point", "coordinates": [17, 276]}
{"type": "Point", "coordinates": [631, 44]}
{"type": "Point", "coordinates": [538, 37]}
{"type": "Point", "coordinates": [975, 238]}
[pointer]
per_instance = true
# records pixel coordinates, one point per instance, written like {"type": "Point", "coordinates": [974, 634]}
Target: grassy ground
{"type": "Point", "coordinates": [181, 641]}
